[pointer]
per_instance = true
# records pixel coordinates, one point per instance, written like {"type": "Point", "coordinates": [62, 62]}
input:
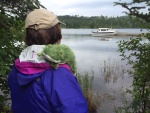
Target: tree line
{"type": "Point", "coordinates": [98, 21]}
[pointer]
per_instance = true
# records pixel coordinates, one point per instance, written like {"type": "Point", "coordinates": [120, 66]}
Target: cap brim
{"type": "Point", "coordinates": [62, 23]}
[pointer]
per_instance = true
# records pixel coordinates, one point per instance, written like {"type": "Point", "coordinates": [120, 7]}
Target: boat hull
{"type": "Point", "coordinates": [96, 34]}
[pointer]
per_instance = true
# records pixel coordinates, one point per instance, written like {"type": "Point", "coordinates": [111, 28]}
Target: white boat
{"type": "Point", "coordinates": [104, 32]}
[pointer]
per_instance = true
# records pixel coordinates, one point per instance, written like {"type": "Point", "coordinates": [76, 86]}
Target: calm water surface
{"type": "Point", "coordinates": [91, 54]}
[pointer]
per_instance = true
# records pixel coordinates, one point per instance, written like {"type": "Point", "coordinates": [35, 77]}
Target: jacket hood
{"type": "Point", "coordinates": [29, 71]}
{"type": "Point", "coordinates": [30, 66]}
{"type": "Point", "coordinates": [26, 79]}
{"type": "Point", "coordinates": [30, 54]}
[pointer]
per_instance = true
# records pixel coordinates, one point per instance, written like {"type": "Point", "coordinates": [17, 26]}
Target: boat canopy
{"type": "Point", "coordinates": [103, 29]}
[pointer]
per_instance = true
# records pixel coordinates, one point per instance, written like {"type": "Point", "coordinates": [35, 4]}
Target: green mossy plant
{"type": "Point", "coordinates": [60, 54]}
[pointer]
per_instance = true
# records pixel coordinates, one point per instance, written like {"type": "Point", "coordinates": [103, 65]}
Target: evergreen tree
{"type": "Point", "coordinates": [12, 15]}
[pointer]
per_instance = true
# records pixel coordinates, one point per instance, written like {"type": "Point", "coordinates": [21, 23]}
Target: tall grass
{"type": "Point", "coordinates": [111, 70]}
{"type": "Point", "coordinates": [92, 97]}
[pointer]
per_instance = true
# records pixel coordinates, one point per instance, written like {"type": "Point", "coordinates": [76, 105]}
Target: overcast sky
{"type": "Point", "coordinates": [84, 7]}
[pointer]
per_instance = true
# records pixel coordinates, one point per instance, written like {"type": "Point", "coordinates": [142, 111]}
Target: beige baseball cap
{"type": "Point", "coordinates": [41, 19]}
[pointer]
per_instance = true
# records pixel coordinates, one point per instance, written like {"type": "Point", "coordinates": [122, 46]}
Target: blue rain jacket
{"type": "Point", "coordinates": [49, 91]}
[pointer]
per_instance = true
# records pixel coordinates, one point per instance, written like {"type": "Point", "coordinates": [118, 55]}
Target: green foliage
{"type": "Point", "coordinates": [12, 17]}
{"type": "Point", "coordinates": [98, 21]}
{"type": "Point", "coordinates": [139, 59]}
{"type": "Point", "coordinates": [18, 8]}
{"type": "Point", "coordinates": [135, 8]}
{"type": "Point", "coordinates": [141, 70]}
{"type": "Point", "coordinates": [11, 35]}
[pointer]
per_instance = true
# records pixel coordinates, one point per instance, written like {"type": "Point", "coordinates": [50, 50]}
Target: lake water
{"type": "Point", "coordinates": [93, 54]}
